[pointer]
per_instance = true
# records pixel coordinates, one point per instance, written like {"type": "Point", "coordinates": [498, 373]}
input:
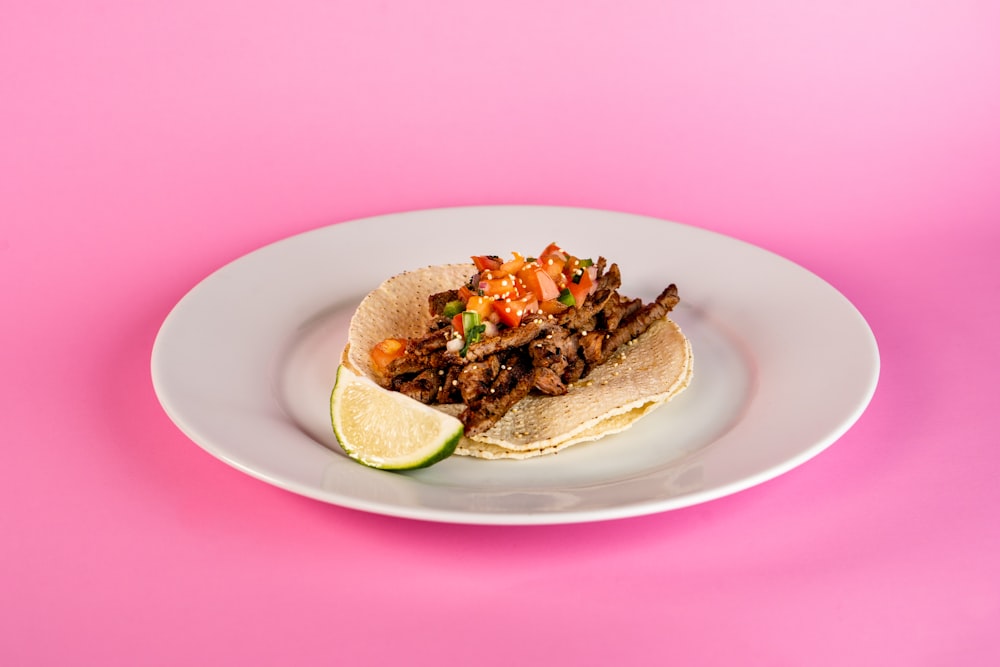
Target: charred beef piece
{"type": "Point", "coordinates": [437, 302]}
{"type": "Point", "coordinates": [636, 323]}
{"type": "Point", "coordinates": [513, 382]}
{"type": "Point", "coordinates": [422, 387]}
{"type": "Point", "coordinates": [577, 369]}
{"type": "Point", "coordinates": [433, 340]}
{"type": "Point", "coordinates": [449, 391]}
{"type": "Point", "coordinates": [554, 354]}
{"type": "Point", "coordinates": [592, 346]}
{"type": "Point", "coordinates": [475, 379]}
{"type": "Point", "coordinates": [423, 352]}
{"type": "Point", "coordinates": [505, 340]}
{"type": "Point", "coordinates": [548, 382]}
{"type": "Point", "coordinates": [617, 309]}
{"type": "Point", "coordinates": [415, 362]}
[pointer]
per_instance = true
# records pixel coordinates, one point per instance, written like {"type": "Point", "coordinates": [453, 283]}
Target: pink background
{"type": "Point", "coordinates": [143, 145]}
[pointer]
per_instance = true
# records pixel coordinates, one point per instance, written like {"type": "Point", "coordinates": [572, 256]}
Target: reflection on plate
{"type": "Point", "coordinates": [245, 363]}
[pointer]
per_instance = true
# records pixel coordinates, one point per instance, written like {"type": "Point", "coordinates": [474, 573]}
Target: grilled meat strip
{"type": "Point", "coordinates": [424, 386]}
{"type": "Point", "coordinates": [475, 379]}
{"type": "Point", "coordinates": [415, 362]}
{"type": "Point", "coordinates": [437, 302]}
{"type": "Point", "coordinates": [636, 323]}
{"type": "Point", "coordinates": [617, 309]}
{"type": "Point", "coordinates": [555, 355]}
{"type": "Point", "coordinates": [505, 340]}
{"type": "Point", "coordinates": [449, 391]}
{"type": "Point", "coordinates": [512, 383]}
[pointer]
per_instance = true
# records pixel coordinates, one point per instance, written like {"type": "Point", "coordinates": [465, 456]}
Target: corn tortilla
{"type": "Point", "coordinates": [639, 377]}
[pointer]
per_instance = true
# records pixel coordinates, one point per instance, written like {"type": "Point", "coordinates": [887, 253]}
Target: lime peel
{"type": "Point", "coordinates": [386, 429]}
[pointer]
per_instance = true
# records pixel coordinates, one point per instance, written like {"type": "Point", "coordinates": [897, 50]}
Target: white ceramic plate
{"type": "Point", "coordinates": [784, 365]}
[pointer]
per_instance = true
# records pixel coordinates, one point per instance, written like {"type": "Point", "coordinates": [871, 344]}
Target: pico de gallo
{"type": "Point", "coordinates": [502, 293]}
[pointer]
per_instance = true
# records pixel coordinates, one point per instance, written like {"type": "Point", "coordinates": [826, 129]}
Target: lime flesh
{"type": "Point", "coordinates": [386, 429]}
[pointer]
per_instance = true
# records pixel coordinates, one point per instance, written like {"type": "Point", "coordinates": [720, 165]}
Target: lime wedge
{"type": "Point", "coordinates": [386, 429]}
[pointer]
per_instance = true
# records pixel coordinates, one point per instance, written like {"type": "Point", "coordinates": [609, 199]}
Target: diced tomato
{"type": "Point", "coordinates": [511, 312]}
{"type": "Point", "coordinates": [480, 304]}
{"type": "Point", "coordinates": [553, 263]}
{"type": "Point", "coordinates": [539, 282]}
{"type": "Point", "coordinates": [497, 284]}
{"type": "Point", "coordinates": [507, 290]}
{"type": "Point", "coordinates": [581, 289]}
{"type": "Point", "coordinates": [384, 352]}
{"type": "Point", "coordinates": [456, 324]}
{"type": "Point", "coordinates": [575, 263]}
{"type": "Point", "coordinates": [554, 249]}
{"type": "Point", "coordinates": [514, 265]}
{"type": "Point", "coordinates": [486, 262]}
{"type": "Point", "coordinates": [551, 307]}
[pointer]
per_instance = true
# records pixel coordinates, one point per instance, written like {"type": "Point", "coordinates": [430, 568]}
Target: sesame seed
{"type": "Point", "coordinates": [454, 383]}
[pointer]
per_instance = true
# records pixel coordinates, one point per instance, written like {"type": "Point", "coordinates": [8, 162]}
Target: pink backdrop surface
{"type": "Point", "coordinates": [143, 145]}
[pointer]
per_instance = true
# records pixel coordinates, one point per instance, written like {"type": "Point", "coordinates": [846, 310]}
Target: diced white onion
{"type": "Point", "coordinates": [592, 270]}
{"type": "Point", "coordinates": [455, 344]}
{"type": "Point", "coordinates": [491, 328]}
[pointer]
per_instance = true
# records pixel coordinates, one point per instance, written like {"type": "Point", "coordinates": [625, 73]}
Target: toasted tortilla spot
{"type": "Point", "coordinates": [639, 377]}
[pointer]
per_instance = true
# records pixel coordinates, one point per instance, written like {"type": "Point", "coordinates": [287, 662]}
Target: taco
{"type": "Point", "coordinates": [532, 355]}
